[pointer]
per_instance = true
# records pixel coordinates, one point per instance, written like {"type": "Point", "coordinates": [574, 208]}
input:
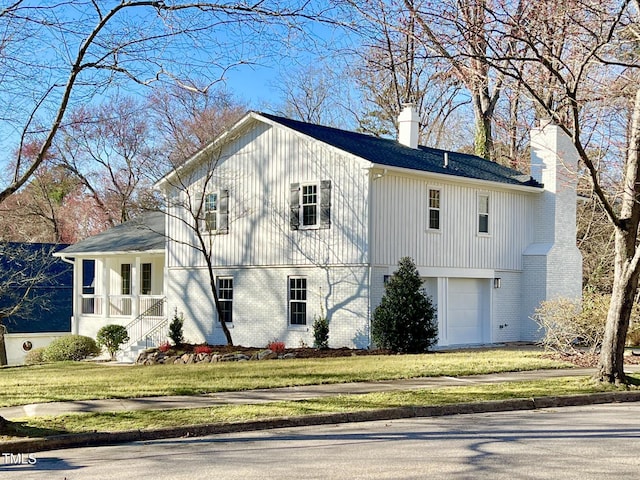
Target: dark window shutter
{"type": "Point", "coordinates": [325, 204]}
{"type": "Point", "coordinates": [223, 212]}
{"type": "Point", "coordinates": [294, 206]}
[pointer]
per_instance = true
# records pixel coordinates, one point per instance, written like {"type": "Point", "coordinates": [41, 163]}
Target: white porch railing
{"type": "Point", "coordinates": [152, 305]}
{"type": "Point", "coordinates": [120, 305]}
{"type": "Point", "coordinates": [123, 305]}
{"type": "Point", "coordinates": [92, 305]}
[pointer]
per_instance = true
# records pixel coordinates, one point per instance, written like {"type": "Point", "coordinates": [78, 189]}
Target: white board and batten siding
{"type": "Point", "coordinates": [400, 224]}
{"type": "Point", "coordinates": [457, 263]}
{"type": "Point", "coordinates": [258, 169]}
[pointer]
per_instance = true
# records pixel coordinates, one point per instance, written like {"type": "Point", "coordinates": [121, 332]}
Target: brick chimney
{"type": "Point", "coordinates": [408, 122]}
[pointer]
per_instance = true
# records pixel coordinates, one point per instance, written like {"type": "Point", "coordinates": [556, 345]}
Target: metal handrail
{"type": "Point", "coordinates": [142, 325]}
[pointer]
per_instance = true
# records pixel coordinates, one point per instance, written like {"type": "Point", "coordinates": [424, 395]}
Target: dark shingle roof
{"type": "Point", "coordinates": [141, 234]}
{"type": "Point", "coordinates": [383, 151]}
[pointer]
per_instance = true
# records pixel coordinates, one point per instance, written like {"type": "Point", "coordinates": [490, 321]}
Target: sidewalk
{"type": "Point", "coordinates": [281, 394]}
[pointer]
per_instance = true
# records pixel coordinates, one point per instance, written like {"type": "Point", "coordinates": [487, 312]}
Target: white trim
{"type": "Point", "coordinates": [289, 300]}
{"type": "Point", "coordinates": [488, 214]}
{"type": "Point", "coordinates": [301, 225]}
{"type": "Point", "coordinates": [439, 209]}
{"type": "Point", "coordinates": [440, 272]}
{"type": "Point", "coordinates": [455, 179]}
{"type": "Point", "coordinates": [202, 222]}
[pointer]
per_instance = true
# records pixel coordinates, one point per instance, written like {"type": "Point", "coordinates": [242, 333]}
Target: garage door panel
{"type": "Point", "coordinates": [467, 312]}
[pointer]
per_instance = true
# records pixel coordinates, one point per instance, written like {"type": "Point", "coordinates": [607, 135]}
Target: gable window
{"type": "Point", "coordinates": [310, 205]}
{"type": "Point", "coordinates": [297, 300]}
{"type": "Point", "coordinates": [216, 212]}
{"type": "Point", "coordinates": [145, 279]}
{"type": "Point", "coordinates": [125, 276]}
{"type": "Point", "coordinates": [483, 213]}
{"type": "Point", "coordinates": [434, 208]}
{"type": "Point", "coordinates": [225, 296]}
{"type": "Point", "coordinates": [211, 212]}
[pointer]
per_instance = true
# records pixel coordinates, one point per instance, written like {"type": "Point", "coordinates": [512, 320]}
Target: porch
{"type": "Point", "coordinates": [118, 289]}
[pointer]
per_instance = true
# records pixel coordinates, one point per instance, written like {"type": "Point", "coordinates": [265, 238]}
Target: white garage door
{"type": "Point", "coordinates": [468, 311]}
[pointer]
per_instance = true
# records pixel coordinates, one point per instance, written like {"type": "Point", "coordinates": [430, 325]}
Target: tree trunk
{"type": "Point", "coordinates": [3, 348]}
{"type": "Point", "coordinates": [483, 140]}
{"type": "Point", "coordinates": [216, 300]}
{"type": "Point", "coordinates": [625, 285]}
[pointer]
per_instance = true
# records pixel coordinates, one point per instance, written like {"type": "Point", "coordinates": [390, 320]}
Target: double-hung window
{"type": "Point", "coordinates": [434, 208]}
{"type": "Point", "coordinates": [215, 212]}
{"type": "Point", "coordinates": [225, 297]}
{"type": "Point", "coordinates": [211, 212]}
{"type": "Point", "coordinates": [310, 205]}
{"type": "Point", "coordinates": [297, 301]}
{"type": "Point", "coordinates": [483, 213]}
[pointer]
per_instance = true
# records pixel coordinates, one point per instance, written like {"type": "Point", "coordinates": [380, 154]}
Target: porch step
{"type": "Point", "coordinates": [130, 354]}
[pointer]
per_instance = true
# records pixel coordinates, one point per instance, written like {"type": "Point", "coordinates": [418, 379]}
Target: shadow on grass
{"type": "Point", "coordinates": [24, 430]}
{"type": "Point", "coordinates": [633, 380]}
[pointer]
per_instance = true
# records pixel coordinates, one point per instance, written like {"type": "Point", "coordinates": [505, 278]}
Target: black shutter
{"type": "Point", "coordinates": [294, 206]}
{"type": "Point", "coordinates": [223, 212]}
{"type": "Point", "coordinates": [325, 204]}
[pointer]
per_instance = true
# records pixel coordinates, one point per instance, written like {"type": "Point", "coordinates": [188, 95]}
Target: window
{"type": "Point", "coordinates": [297, 301]}
{"type": "Point", "coordinates": [145, 279]}
{"type": "Point", "coordinates": [211, 212]}
{"type": "Point", "coordinates": [125, 276]}
{"type": "Point", "coordinates": [225, 296]}
{"type": "Point", "coordinates": [483, 213]}
{"type": "Point", "coordinates": [216, 212]}
{"type": "Point", "coordinates": [434, 209]}
{"type": "Point", "coordinates": [310, 205]}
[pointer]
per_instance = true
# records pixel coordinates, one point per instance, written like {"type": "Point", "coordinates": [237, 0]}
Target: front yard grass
{"type": "Point", "coordinates": [146, 419]}
{"type": "Point", "coordinates": [84, 380]}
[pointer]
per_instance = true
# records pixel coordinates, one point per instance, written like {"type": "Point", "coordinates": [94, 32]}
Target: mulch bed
{"type": "Point", "coordinates": [305, 352]}
{"type": "Point", "coordinates": [584, 360]}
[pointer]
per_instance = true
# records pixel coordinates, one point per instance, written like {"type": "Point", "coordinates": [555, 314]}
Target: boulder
{"type": "Point", "coordinates": [266, 354]}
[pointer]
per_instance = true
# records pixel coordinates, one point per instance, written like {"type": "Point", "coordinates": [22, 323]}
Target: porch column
{"type": "Point", "coordinates": [135, 288]}
{"type": "Point", "coordinates": [106, 302]}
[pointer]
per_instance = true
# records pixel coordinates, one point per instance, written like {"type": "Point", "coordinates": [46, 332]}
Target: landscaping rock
{"type": "Point", "coordinates": [266, 355]}
{"type": "Point", "coordinates": [207, 358]}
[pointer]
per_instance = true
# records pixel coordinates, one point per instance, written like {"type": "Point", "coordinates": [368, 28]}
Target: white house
{"type": "Point", "coordinates": [302, 220]}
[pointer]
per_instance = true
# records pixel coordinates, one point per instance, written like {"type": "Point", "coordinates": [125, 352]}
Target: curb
{"type": "Point", "coordinates": [57, 442]}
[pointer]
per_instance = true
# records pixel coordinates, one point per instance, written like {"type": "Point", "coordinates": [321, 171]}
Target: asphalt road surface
{"type": "Point", "coordinates": [595, 442]}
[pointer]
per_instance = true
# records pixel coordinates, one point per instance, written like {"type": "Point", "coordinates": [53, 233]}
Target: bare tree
{"type": "Point", "coordinates": [187, 119]}
{"type": "Point", "coordinates": [202, 215]}
{"type": "Point", "coordinates": [58, 56]}
{"type": "Point", "coordinates": [459, 34]}
{"type": "Point", "coordinates": [595, 79]}
{"type": "Point", "coordinates": [109, 150]}
{"type": "Point", "coordinates": [316, 93]}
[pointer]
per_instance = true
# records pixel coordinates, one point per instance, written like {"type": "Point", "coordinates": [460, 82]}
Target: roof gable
{"type": "Point", "coordinates": [386, 152]}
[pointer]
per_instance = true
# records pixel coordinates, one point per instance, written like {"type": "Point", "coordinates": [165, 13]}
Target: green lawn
{"type": "Point", "coordinates": [111, 422]}
{"type": "Point", "coordinates": [82, 381]}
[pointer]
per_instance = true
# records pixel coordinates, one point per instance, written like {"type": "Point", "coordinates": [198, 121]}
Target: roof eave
{"type": "Point", "coordinates": [156, 251]}
{"type": "Point", "coordinates": [460, 178]}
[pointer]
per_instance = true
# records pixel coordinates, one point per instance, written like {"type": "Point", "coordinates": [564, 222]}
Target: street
{"type": "Point", "coordinates": [592, 442]}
